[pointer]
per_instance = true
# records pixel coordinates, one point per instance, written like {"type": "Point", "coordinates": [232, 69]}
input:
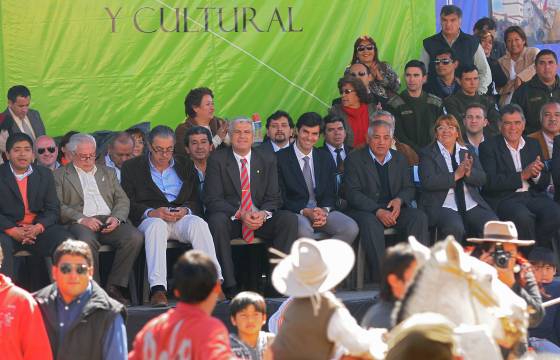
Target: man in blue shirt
{"type": "Point", "coordinates": [79, 316]}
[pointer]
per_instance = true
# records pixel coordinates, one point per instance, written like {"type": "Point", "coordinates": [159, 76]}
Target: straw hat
{"type": "Point", "coordinates": [501, 232]}
{"type": "Point", "coordinates": [313, 267]}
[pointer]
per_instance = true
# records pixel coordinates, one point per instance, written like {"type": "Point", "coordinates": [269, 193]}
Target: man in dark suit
{"type": "Point", "coordinates": [18, 117]}
{"type": "Point", "coordinates": [163, 196]}
{"type": "Point", "coordinates": [119, 149]}
{"type": "Point", "coordinates": [279, 127]}
{"type": "Point", "coordinates": [242, 199]}
{"type": "Point", "coordinates": [334, 132]}
{"type": "Point", "coordinates": [29, 209]}
{"type": "Point", "coordinates": [379, 190]}
{"type": "Point", "coordinates": [95, 208]}
{"type": "Point", "coordinates": [517, 179]}
{"type": "Point", "coordinates": [308, 185]}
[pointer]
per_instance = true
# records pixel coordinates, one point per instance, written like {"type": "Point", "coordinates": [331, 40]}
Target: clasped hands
{"type": "Point", "coordinates": [317, 216]}
{"type": "Point", "coordinates": [389, 216]}
{"type": "Point", "coordinates": [464, 168]}
{"type": "Point", "coordinates": [25, 233]}
{"type": "Point", "coordinates": [533, 169]}
{"type": "Point", "coordinates": [253, 220]}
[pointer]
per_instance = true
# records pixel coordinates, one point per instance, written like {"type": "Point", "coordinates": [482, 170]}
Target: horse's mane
{"type": "Point", "coordinates": [401, 305]}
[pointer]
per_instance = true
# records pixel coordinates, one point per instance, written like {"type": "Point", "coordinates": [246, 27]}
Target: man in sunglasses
{"type": "Point", "coordinates": [466, 47]}
{"type": "Point", "coordinates": [81, 320]}
{"type": "Point", "coordinates": [414, 109]}
{"type": "Point", "coordinates": [95, 209]}
{"type": "Point", "coordinates": [444, 83]}
{"type": "Point", "coordinates": [46, 152]}
{"type": "Point", "coordinates": [29, 209]}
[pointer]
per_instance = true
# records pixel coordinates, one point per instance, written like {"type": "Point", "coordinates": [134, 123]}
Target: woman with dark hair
{"type": "Point", "coordinates": [450, 177]}
{"type": "Point", "coordinates": [64, 156]}
{"type": "Point", "coordinates": [354, 109]}
{"type": "Point", "coordinates": [199, 109]}
{"type": "Point", "coordinates": [499, 78]}
{"type": "Point", "coordinates": [385, 82]}
{"type": "Point", "coordinates": [518, 63]}
{"type": "Point", "coordinates": [139, 138]}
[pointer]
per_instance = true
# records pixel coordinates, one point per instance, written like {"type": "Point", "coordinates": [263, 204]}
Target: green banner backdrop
{"type": "Point", "coordinates": [94, 64]}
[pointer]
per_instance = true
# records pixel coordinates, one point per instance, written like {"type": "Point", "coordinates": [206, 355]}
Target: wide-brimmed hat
{"type": "Point", "coordinates": [313, 267]}
{"type": "Point", "coordinates": [501, 232]}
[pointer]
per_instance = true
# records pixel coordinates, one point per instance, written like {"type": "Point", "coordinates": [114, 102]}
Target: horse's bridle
{"type": "Point", "coordinates": [512, 333]}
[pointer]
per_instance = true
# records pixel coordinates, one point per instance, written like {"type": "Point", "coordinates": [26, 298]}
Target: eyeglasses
{"type": "Point", "coordinates": [80, 269]}
{"type": "Point", "coordinates": [50, 149]}
{"type": "Point", "coordinates": [443, 61]}
{"type": "Point", "coordinates": [358, 74]}
{"type": "Point", "coordinates": [86, 157]}
{"type": "Point", "coordinates": [346, 91]}
{"type": "Point", "coordinates": [445, 128]}
{"type": "Point", "coordinates": [159, 150]}
{"type": "Point", "coordinates": [366, 47]}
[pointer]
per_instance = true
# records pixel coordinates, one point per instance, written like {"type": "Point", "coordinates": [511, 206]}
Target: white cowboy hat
{"type": "Point", "coordinates": [313, 267]}
{"type": "Point", "coordinates": [501, 232]}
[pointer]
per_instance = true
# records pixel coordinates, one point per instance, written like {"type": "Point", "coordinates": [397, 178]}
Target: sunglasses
{"type": "Point", "coordinates": [50, 149]}
{"type": "Point", "coordinates": [443, 61]}
{"type": "Point", "coordinates": [81, 269]}
{"type": "Point", "coordinates": [346, 91]}
{"type": "Point", "coordinates": [358, 74]}
{"type": "Point", "coordinates": [366, 47]}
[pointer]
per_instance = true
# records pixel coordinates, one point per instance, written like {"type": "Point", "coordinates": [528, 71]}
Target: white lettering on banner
{"type": "Point", "coordinates": [180, 351]}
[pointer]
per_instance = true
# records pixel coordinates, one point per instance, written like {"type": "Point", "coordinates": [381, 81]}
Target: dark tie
{"type": "Point", "coordinates": [459, 188]}
{"type": "Point", "coordinates": [339, 161]}
{"type": "Point", "coordinates": [246, 201]}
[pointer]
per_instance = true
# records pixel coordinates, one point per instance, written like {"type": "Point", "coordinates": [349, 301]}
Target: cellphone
{"type": "Point", "coordinates": [173, 209]}
{"type": "Point", "coordinates": [104, 226]}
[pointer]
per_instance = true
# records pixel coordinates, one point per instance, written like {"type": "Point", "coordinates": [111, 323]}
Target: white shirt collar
{"type": "Point", "coordinates": [301, 155]}
{"type": "Point", "coordinates": [388, 157]}
{"type": "Point", "coordinates": [275, 146]}
{"type": "Point", "coordinates": [81, 171]}
{"type": "Point", "coordinates": [332, 148]}
{"type": "Point", "coordinates": [521, 144]}
{"type": "Point", "coordinates": [20, 177]}
{"type": "Point", "coordinates": [458, 147]}
{"type": "Point", "coordinates": [239, 157]}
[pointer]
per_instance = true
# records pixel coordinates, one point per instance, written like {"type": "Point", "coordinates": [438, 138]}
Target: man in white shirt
{"type": "Point", "coordinates": [517, 179]}
{"type": "Point", "coordinates": [119, 150]}
{"type": "Point", "coordinates": [95, 208]}
{"type": "Point", "coordinates": [18, 117]}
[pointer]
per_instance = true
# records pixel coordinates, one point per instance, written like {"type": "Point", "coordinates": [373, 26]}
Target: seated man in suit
{"type": "Point", "coordinates": [308, 186]}
{"type": "Point", "coordinates": [243, 199]}
{"type": "Point", "coordinates": [379, 190]}
{"type": "Point", "coordinates": [334, 132]}
{"type": "Point", "coordinates": [198, 145]}
{"type": "Point", "coordinates": [450, 178]}
{"type": "Point", "coordinates": [457, 103]}
{"type": "Point", "coordinates": [517, 179]}
{"type": "Point", "coordinates": [18, 117]}
{"type": "Point", "coordinates": [119, 149]}
{"type": "Point", "coordinates": [164, 205]}
{"type": "Point", "coordinates": [29, 209]}
{"type": "Point", "coordinates": [475, 124]}
{"type": "Point", "coordinates": [95, 208]}
{"type": "Point", "coordinates": [550, 128]}
{"type": "Point", "coordinates": [279, 127]}
{"type": "Point", "coordinates": [408, 152]}
{"type": "Point", "coordinates": [46, 152]}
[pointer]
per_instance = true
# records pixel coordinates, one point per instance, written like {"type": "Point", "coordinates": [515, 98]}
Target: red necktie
{"type": "Point", "coordinates": [246, 202]}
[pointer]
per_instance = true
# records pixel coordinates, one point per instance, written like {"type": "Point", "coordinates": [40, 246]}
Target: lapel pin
{"type": "Point", "coordinates": [258, 171]}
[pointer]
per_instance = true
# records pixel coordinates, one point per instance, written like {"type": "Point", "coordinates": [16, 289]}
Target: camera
{"type": "Point", "coordinates": [501, 257]}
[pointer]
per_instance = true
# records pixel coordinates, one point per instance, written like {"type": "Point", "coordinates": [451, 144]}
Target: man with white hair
{"type": "Point", "coordinates": [95, 208]}
{"type": "Point", "coordinates": [242, 199]}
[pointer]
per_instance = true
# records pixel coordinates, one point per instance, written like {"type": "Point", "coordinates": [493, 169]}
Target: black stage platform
{"type": "Point", "coordinates": [357, 302]}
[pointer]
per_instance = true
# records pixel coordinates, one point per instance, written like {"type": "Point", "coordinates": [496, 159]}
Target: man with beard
{"type": "Point", "coordinates": [279, 127]}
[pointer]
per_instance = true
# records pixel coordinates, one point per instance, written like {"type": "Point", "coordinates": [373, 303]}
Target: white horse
{"type": "Point", "coordinates": [465, 290]}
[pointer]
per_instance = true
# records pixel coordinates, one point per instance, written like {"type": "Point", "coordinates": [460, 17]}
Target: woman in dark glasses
{"type": "Point", "coordinates": [385, 81]}
{"type": "Point", "coordinates": [355, 110]}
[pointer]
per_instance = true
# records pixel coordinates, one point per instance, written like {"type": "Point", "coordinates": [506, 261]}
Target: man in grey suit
{"type": "Point", "coordinates": [242, 199]}
{"type": "Point", "coordinates": [18, 117]}
{"type": "Point", "coordinates": [379, 190]}
{"type": "Point", "coordinates": [95, 208]}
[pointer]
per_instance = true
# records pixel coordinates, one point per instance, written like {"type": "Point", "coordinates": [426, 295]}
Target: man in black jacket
{"type": "Point", "coordinates": [517, 179]}
{"type": "Point", "coordinates": [82, 321]}
{"type": "Point", "coordinates": [29, 210]}
{"type": "Point", "coordinates": [307, 182]}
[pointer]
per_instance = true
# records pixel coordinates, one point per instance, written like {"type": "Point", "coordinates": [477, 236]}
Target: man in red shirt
{"type": "Point", "coordinates": [188, 331]}
{"type": "Point", "coordinates": [21, 324]}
